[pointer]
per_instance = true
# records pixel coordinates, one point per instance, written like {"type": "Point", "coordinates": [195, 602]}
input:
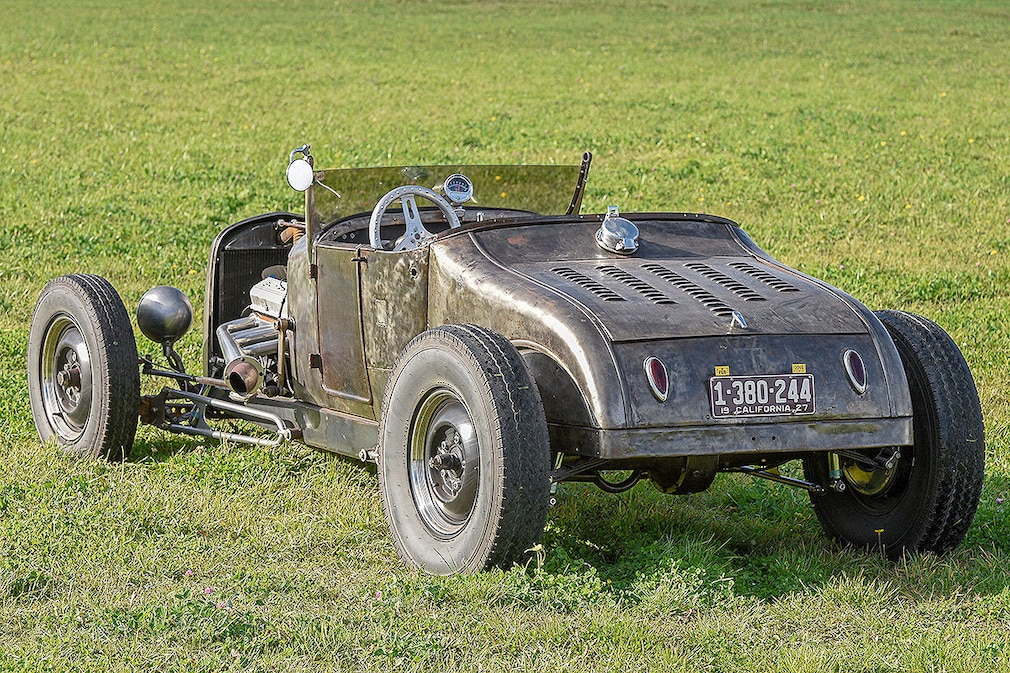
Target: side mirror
{"type": "Point", "coordinates": [300, 175]}
{"type": "Point", "coordinates": [300, 172]}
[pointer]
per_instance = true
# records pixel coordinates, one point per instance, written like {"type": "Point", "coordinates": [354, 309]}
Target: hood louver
{"type": "Point", "coordinates": [698, 293]}
{"type": "Point", "coordinates": [587, 283]}
{"type": "Point", "coordinates": [768, 279]}
{"type": "Point", "coordinates": [736, 287]}
{"type": "Point", "coordinates": [638, 299]}
{"type": "Point", "coordinates": [637, 284]}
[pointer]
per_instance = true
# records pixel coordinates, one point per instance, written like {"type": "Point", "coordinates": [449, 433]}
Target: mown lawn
{"type": "Point", "coordinates": [863, 142]}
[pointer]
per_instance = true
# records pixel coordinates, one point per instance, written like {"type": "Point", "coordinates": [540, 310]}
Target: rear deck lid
{"type": "Point", "coordinates": [689, 279]}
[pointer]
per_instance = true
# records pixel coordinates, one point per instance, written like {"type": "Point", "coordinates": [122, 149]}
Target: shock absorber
{"type": "Point", "coordinates": [835, 480]}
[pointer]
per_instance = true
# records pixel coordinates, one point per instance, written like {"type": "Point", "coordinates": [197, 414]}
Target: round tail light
{"type": "Point", "coordinates": [855, 370]}
{"type": "Point", "coordinates": [659, 380]}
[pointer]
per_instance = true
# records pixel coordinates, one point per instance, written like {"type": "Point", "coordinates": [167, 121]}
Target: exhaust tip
{"type": "Point", "coordinates": [244, 375]}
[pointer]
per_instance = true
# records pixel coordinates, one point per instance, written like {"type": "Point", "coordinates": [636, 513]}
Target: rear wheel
{"type": "Point", "coordinates": [927, 499]}
{"type": "Point", "coordinates": [83, 376]}
{"type": "Point", "coordinates": [464, 452]}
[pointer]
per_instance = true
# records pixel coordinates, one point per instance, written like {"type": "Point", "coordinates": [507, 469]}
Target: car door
{"type": "Point", "coordinates": [338, 319]}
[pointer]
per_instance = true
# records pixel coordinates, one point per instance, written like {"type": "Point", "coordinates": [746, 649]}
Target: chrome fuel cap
{"type": "Point", "coordinates": [617, 234]}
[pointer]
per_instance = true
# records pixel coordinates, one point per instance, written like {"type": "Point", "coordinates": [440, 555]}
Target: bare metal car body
{"type": "Point", "coordinates": [585, 328]}
{"type": "Point", "coordinates": [672, 352]}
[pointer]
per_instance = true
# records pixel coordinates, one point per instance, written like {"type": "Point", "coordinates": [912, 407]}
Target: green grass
{"type": "Point", "coordinates": [862, 142]}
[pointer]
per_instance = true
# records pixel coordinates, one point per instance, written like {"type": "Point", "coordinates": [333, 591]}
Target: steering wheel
{"type": "Point", "coordinates": [416, 234]}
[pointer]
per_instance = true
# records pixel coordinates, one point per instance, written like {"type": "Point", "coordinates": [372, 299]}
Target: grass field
{"type": "Point", "coordinates": [867, 143]}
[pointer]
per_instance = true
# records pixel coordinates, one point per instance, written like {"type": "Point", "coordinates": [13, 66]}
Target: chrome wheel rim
{"type": "Point", "coordinates": [66, 378]}
{"type": "Point", "coordinates": [444, 463]}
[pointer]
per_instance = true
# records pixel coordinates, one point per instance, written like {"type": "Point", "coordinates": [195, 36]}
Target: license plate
{"type": "Point", "coordinates": [782, 395]}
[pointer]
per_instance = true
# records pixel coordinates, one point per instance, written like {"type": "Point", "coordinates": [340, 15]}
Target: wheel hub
{"type": "Point", "coordinates": [448, 465]}
{"type": "Point", "coordinates": [66, 377]}
{"type": "Point", "coordinates": [444, 465]}
{"type": "Point", "coordinates": [69, 378]}
{"type": "Point", "coordinates": [871, 478]}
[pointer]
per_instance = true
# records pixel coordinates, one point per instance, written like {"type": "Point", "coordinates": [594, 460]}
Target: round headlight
{"type": "Point", "coordinates": [164, 314]}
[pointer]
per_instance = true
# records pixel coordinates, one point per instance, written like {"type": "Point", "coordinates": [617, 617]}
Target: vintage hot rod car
{"type": "Point", "coordinates": [485, 347]}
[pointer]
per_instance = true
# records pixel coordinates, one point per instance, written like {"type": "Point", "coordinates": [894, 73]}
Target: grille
{"type": "Point", "coordinates": [736, 287]}
{"type": "Point", "coordinates": [237, 271]}
{"type": "Point", "coordinates": [696, 292]}
{"type": "Point", "coordinates": [587, 283]}
{"type": "Point", "coordinates": [768, 279]}
{"type": "Point", "coordinates": [635, 283]}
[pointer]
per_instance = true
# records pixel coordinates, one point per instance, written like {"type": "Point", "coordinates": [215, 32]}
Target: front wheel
{"type": "Point", "coordinates": [83, 376]}
{"type": "Point", "coordinates": [463, 452]}
{"type": "Point", "coordinates": [927, 499]}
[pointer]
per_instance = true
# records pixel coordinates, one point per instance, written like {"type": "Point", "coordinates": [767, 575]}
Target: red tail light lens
{"type": "Point", "coordinates": [659, 380]}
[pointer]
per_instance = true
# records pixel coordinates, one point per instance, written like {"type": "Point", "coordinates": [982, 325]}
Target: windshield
{"type": "Point", "coordinates": [547, 190]}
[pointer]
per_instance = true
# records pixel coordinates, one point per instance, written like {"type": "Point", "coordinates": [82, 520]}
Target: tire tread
{"type": "Point", "coordinates": [961, 464]}
{"type": "Point", "coordinates": [518, 425]}
{"type": "Point", "coordinates": [949, 439]}
{"type": "Point", "coordinates": [528, 429]}
{"type": "Point", "coordinates": [119, 380]}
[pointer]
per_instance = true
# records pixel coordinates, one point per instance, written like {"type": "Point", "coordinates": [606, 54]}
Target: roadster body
{"type": "Point", "coordinates": [489, 346]}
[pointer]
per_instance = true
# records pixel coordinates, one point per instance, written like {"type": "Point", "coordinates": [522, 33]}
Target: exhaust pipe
{"type": "Point", "coordinates": [244, 375]}
{"type": "Point", "coordinates": [241, 341]}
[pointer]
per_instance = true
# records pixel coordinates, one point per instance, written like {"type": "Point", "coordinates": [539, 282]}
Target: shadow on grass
{"type": "Point", "coordinates": [155, 446]}
{"type": "Point", "coordinates": [991, 527]}
{"type": "Point", "coordinates": [751, 538]}
{"type": "Point", "coordinates": [761, 539]}
{"type": "Point", "coordinates": [233, 463]}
